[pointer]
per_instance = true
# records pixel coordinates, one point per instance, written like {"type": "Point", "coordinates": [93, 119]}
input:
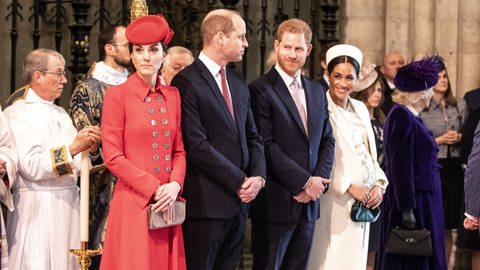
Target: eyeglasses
{"type": "Point", "coordinates": [59, 73]}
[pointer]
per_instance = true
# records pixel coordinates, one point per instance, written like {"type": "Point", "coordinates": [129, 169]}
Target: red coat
{"type": "Point", "coordinates": [142, 145]}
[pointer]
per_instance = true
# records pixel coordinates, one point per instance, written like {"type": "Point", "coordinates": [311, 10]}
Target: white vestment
{"type": "Point", "coordinates": [45, 223]}
{"type": "Point", "coordinates": [7, 154]}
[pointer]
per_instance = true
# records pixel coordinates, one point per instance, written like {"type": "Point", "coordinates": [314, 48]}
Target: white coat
{"type": "Point", "coordinates": [340, 243]}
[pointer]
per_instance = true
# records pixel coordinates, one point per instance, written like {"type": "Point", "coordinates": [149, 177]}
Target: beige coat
{"type": "Point", "coordinates": [339, 243]}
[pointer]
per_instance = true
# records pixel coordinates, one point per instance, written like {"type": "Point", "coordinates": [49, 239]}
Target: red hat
{"type": "Point", "coordinates": [149, 29]}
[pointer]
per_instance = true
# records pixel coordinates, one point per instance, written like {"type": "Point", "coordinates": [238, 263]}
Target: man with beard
{"type": "Point", "coordinates": [86, 110]}
{"type": "Point", "coordinates": [299, 161]}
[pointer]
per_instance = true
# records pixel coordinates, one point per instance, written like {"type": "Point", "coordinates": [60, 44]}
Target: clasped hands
{"type": "Point", "coordinates": [164, 198]}
{"type": "Point", "coordinates": [89, 138]}
{"type": "Point", "coordinates": [471, 223]}
{"type": "Point", "coordinates": [450, 137]}
{"type": "Point", "coordinates": [371, 198]}
{"type": "Point", "coordinates": [312, 191]}
{"type": "Point", "coordinates": [250, 188]}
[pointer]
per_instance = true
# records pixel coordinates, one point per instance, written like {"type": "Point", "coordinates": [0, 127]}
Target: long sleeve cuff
{"type": "Point", "coordinates": [61, 160]}
{"type": "Point", "coordinates": [470, 216]}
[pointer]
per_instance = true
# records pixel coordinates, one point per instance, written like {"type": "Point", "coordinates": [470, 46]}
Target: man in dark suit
{"type": "Point", "coordinates": [391, 63]}
{"type": "Point", "coordinates": [323, 63]}
{"type": "Point", "coordinates": [472, 98]}
{"type": "Point", "coordinates": [472, 185]}
{"type": "Point", "coordinates": [468, 243]}
{"type": "Point", "coordinates": [225, 157]}
{"type": "Point", "coordinates": [291, 114]}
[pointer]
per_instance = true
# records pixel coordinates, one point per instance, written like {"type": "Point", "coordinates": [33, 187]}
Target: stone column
{"type": "Point", "coordinates": [447, 39]}
{"type": "Point", "coordinates": [468, 46]}
{"type": "Point", "coordinates": [363, 26]}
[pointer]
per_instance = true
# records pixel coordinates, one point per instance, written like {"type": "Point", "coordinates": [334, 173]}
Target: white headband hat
{"type": "Point", "coordinates": [342, 50]}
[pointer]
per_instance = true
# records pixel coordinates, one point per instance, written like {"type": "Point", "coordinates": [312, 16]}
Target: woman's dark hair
{"type": "Point", "coordinates": [343, 59]}
{"type": "Point", "coordinates": [366, 93]}
{"type": "Point", "coordinates": [448, 95]}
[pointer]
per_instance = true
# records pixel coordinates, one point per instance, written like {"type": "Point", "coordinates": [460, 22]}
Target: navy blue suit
{"type": "Point", "coordinates": [221, 152]}
{"type": "Point", "coordinates": [282, 227]}
{"type": "Point", "coordinates": [324, 83]}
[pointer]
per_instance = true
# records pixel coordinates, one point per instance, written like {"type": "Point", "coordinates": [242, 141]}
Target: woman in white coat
{"type": "Point", "coordinates": [340, 243]}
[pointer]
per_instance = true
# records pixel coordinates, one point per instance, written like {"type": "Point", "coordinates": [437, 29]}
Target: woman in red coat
{"type": "Point", "coordinates": [142, 143]}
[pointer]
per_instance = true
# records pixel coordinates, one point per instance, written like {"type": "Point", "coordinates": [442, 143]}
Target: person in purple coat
{"type": "Point", "coordinates": [414, 197]}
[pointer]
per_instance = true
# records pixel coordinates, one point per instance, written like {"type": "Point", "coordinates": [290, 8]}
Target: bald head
{"type": "Point", "coordinates": [391, 63]}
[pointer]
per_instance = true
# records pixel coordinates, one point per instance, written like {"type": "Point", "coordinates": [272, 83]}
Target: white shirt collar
{"type": "Point", "coordinates": [213, 67]}
{"type": "Point", "coordinates": [325, 78]}
{"type": "Point", "coordinates": [287, 79]}
{"type": "Point", "coordinates": [33, 97]}
{"type": "Point", "coordinates": [390, 84]}
{"type": "Point", "coordinates": [109, 75]}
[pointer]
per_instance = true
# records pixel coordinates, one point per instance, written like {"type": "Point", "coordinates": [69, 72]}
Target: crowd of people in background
{"type": "Point", "coordinates": [295, 154]}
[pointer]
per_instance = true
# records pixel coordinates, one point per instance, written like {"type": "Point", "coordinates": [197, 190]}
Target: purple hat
{"type": "Point", "coordinates": [419, 75]}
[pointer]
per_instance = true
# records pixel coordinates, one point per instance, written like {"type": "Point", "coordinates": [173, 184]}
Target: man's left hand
{"type": "Point", "coordinates": [250, 188]}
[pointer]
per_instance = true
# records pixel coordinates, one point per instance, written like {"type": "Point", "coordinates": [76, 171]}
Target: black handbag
{"type": "Point", "coordinates": [361, 213]}
{"type": "Point", "coordinates": [417, 242]}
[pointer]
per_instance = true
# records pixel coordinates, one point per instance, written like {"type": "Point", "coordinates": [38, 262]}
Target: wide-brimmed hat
{"type": "Point", "coordinates": [368, 75]}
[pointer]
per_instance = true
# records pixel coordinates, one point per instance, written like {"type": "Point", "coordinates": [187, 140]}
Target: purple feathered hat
{"type": "Point", "coordinates": [419, 75]}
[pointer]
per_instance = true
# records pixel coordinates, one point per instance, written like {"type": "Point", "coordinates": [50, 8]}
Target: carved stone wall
{"type": "Point", "coordinates": [414, 28]}
{"type": "Point", "coordinates": [418, 28]}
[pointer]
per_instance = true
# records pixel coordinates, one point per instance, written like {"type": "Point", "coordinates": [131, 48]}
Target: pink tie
{"type": "Point", "coordinates": [226, 93]}
{"type": "Point", "coordinates": [298, 103]}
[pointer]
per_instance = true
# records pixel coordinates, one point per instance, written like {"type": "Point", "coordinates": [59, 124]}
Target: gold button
{"type": "Point", "coordinates": [167, 157]}
{"type": "Point", "coordinates": [151, 111]}
{"type": "Point", "coordinates": [156, 170]}
{"type": "Point", "coordinates": [154, 145]}
{"type": "Point", "coordinates": [168, 169]}
{"type": "Point", "coordinates": [166, 145]}
{"type": "Point", "coordinates": [155, 157]}
{"type": "Point", "coordinates": [148, 99]}
{"type": "Point", "coordinates": [163, 110]}
{"type": "Point", "coordinates": [160, 98]}
{"type": "Point", "coordinates": [164, 121]}
{"type": "Point", "coordinates": [154, 134]}
{"type": "Point", "coordinates": [166, 133]}
{"type": "Point", "coordinates": [153, 122]}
